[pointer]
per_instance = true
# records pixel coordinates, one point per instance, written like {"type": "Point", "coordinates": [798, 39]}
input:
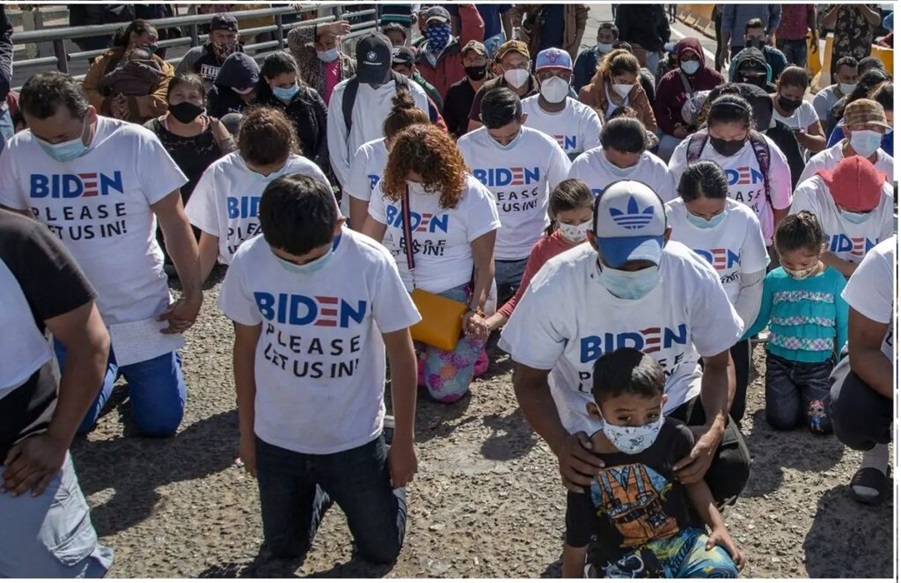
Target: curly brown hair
{"type": "Point", "coordinates": [266, 136]}
{"type": "Point", "coordinates": [430, 153]}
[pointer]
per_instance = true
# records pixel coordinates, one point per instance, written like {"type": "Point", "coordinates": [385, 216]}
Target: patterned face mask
{"type": "Point", "coordinates": [438, 35]}
{"type": "Point", "coordinates": [632, 439]}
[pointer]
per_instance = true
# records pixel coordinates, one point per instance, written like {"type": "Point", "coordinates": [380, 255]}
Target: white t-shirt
{"type": "Point", "coordinates": [829, 158]}
{"type": "Point", "coordinates": [320, 360]}
{"type": "Point", "coordinates": [746, 179]}
{"type": "Point", "coordinates": [847, 241]}
{"type": "Point", "coordinates": [442, 238]}
{"type": "Point", "coordinates": [226, 200]}
{"type": "Point", "coordinates": [593, 168]}
{"type": "Point", "coordinates": [577, 128]}
{"type": "Point", "coordinates": [869, 291]}
{"type": "Point", "coordinates": [567, 319]}
{"type": "Point", "coordinates": [734, 247]}
{"type": "Point", "coordinates": [368, 166]}
{"type": "Point", "coordinates": [520, 180]}
{"type": "Point", "coordinates": [99, 206]}
{"type": "Point", "coordinates": [371, 108]}
{"type": "Point", "coordinates": [802, 118]}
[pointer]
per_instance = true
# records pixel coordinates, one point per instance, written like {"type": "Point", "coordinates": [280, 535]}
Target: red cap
{"type": "Point", "coordinates": [855, 184]}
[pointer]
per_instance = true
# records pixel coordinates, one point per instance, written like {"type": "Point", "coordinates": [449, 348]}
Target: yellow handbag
{"type": "Point", "coordinates": [442, 318]}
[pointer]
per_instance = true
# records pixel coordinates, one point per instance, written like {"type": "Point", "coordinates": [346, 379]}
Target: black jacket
{"type": "Point", "coordinates": [308, 113]}
{"type": "Point", "coordinates": [643, 24]}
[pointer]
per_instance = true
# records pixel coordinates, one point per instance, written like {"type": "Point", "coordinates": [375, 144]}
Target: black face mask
{"type": "Point", "coordinates": [476, 73]}
{"type": "Point", "coordinates": [726, 147]}
{"type": "Point", "coordinates": [757, 80]}
{"type": "Point", "coordinates": [789, 105]}
{"type": "Point", "coordinates": [185, 112]}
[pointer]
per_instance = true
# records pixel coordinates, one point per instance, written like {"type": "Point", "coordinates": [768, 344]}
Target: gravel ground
{"type": "Point", "coordinates": [487, 501]}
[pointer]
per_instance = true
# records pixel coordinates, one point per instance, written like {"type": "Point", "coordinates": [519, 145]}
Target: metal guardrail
{"type": "Point", "coordinates": [61, 58]}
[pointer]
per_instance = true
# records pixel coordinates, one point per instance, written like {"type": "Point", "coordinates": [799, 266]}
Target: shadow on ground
{"type": "Point", "coordinates": [774, 450]}
{"type": "Point", "coordinates": [849, 539]}
{"type": "Point", "coordinates": [264, 565]}
{"type": "Point", "coordinates": [134, 467]}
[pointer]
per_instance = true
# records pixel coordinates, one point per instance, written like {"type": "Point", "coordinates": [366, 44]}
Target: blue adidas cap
{"type": "Point", "coordinates": [630, 222]}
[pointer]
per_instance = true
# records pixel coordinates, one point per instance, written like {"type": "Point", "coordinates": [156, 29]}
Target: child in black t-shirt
{"type": "Point", "coordinates": [635, 520]}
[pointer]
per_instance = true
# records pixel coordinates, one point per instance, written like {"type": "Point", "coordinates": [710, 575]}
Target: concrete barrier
{"type": "Point", "coordinates": [698, 16]}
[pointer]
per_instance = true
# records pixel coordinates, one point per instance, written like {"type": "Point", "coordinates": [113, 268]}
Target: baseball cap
{"type": "Point", "coordinates": [629, 222]}
{"type": "Point", "coordinates": [476, 46]}
{"type": "Point", "coordinates": [865, 111]}
{"type": "Point", "coordinates": [855, 184]}
{"type": "Point", "coordinates": [553, 59]}
{"type": "Point", "coordinates": [374, 59]}
{"type": "Point", "coordinates": [223, 21]}
{"type": "Point", "coordinates": [439, 13]}
{"type": "Point", "coordinates": [513, 46]}
{"type": "Point", "coordinates": [402, 56]}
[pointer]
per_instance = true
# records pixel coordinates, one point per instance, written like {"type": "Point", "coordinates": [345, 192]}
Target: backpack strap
{"type": "Point", "coordinates": [408, 230]}
{"type": "Point", "coordinates": [347, 101]}
{"type": "Point", "coordinates": [696, 144]}
{"type": "Point", "coordinates": [762, 152]}
{"type": "Point", "coordinates": [350, 96]}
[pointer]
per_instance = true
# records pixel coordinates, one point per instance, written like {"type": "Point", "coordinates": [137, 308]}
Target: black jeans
{"type": "Point", "coordinates": [719, 57]}
{"type": "Point", "coordinates": [296, 489]}
{"type": "Point", "coordinates": [741, 356]}
{"type": "Point", "coordinates": [861, 417]}
{"type": "Point", "coordinates": [731, 467]}
{"type": "Point", "coordinates": [796, 393]}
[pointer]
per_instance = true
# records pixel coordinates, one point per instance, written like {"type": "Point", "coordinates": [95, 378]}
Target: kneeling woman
{"type": "Point", "coordinates": [453, 221]}
{"type": "Point", "coordinates": [727, 234]}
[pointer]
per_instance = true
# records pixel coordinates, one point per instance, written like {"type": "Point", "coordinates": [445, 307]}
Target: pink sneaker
{"type": "Point", "coordinates": [481, 366]}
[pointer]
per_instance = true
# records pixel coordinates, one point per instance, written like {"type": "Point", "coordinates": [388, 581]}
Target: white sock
{"type": "Point", "coordinates": [876, 458]}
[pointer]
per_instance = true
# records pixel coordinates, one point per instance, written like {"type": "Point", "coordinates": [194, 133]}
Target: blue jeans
{"type": "Point", "coordinates": [296, 489]}
{"type": "Point", "coordinates": [795, 51]}
{"type": "Point", "coordinates": [51, 535]}
{"type": "Point", "coordinates": [156, 388]}
{"type": "Point", "coordinates": [797, 392]}
{"type": "Point", "coordinates": [508, 275]}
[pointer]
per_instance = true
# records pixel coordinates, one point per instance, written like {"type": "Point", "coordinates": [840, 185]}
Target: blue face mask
{"type": "Point", "coordinates": [438, 35]}
{"type": "Point", "coordinates": [66, 151]}
{"type": "Point", "coordinates": [314, 265]}
{"type": "Point", "coordinates": [702, 223]}
{"type": "Point", "coordinates": [855, 218]}
{"type": "Point", "coordinates": [630, 285]}
{"type": "Point", "coordinates": [286, 93]}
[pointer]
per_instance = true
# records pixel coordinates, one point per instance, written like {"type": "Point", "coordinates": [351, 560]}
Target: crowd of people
{"type": "Point", "coordinates": [629, 218]}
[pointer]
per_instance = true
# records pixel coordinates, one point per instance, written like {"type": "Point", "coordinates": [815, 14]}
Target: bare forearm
{"type": "Point", "coordinates": [717, 392]}
{"type": "Point", "coordinates": [81, 380]}
{"type": "Point", "coordinates": [846, 268]}
{"type": "Point", "coordinates": [875, 370]}
{"type": "Point", "coordinates": [182, 248]}
{"type": "Point", "coordinates": [359, 210]}
{"type": "Point", "coordinates": [246, 388]}
{"type": "Point", "coordinates": [403, 390]}
{"type": "Point", "coordinates": [702, 500]}
{"type": "Point", "coordinates": [209, 252]}
{"type": "Point", "coordinates": [539, 409]}
{"type": "Point", "coordinates": [484, 276]}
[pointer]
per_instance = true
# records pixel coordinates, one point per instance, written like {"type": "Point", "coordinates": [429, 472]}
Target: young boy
{"type": "Point", "coordinates": [316, 307]}
{"type": "Point", "coordinates": [636, 520]}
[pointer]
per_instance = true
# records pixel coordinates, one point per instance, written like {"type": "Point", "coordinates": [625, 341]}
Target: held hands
{"type": "Point", "coordinates": [720, 537]}
{"type": "Point", "coordinates": [181, 314]}
{"type": "Point", "coordinates": [475, 325]}
{"type": "Point", "coordinates": [119, 107]}
{"type": "Point", "coordinates": [691, 469]}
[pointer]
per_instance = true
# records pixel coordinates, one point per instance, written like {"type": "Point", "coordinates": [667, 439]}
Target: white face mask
{"type": "Point", "coordinates": [866, 142]}
{"type": "Point", "coordinates": [554, 89]}
{"type": "Point", "coordinates": [575, 233]}
{"type": "Point", "coordinates": [605, 47]}
{"type": "Point", "coordinates": [632, 439]}
{"type": "Point", "coordinates": [847, 88]}
{"type": "Point", "coordinates": [690, 67]}
{"type": "Point", "coordinates": [622, 89]}
{"type": "Point", "coordinates": [516, 77]}
{"type": "Point", "coordinates": [328, 56]}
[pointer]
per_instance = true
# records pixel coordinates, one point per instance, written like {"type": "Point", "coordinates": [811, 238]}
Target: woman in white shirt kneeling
{"type": "Point", "coordinates": [453, 222]}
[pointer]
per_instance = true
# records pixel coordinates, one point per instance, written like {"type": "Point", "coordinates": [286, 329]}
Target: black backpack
{"type": "Point", "coordinates": [761, 150]}
{"type": "Point", "coordinates": [350, 95]}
